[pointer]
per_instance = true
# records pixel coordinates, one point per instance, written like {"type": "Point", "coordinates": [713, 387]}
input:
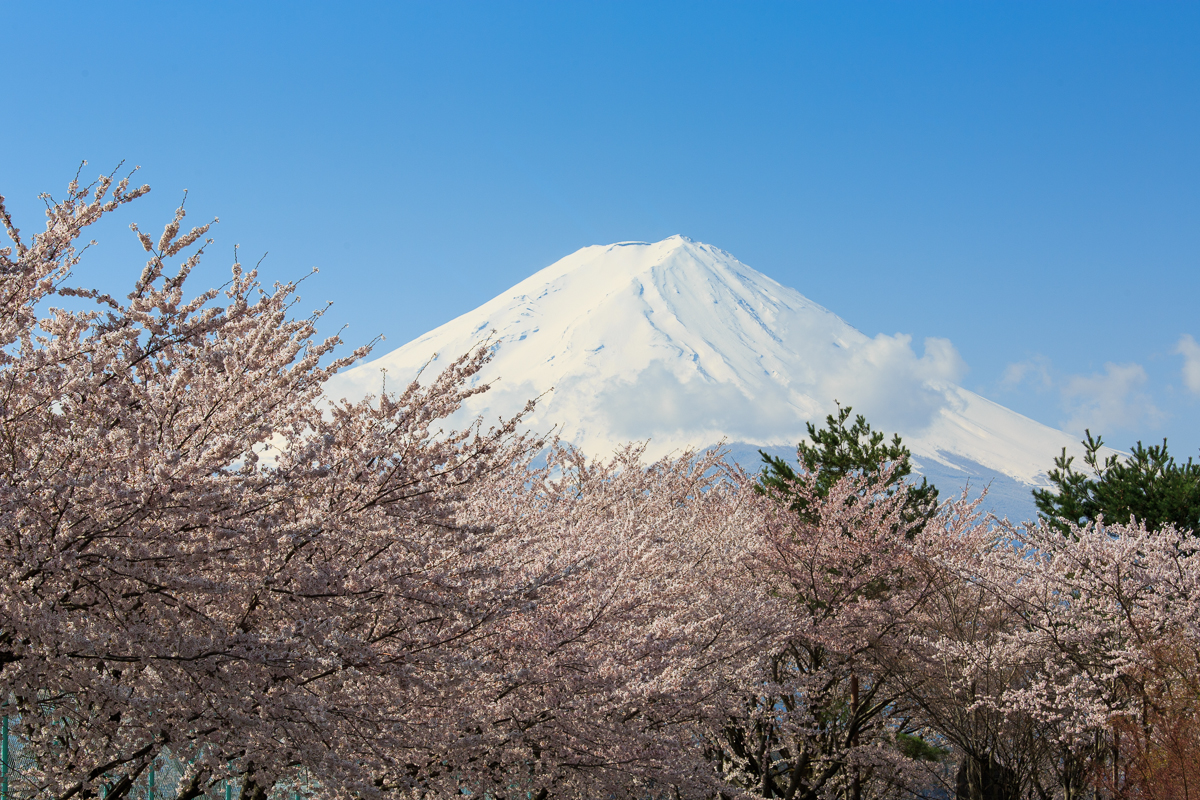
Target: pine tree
{"type": "Point", "coordinates": [1149, 486]}
{"type": "Point", "coordinates": [838, 450]}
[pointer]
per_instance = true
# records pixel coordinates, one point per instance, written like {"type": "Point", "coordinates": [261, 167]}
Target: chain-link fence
{"type": "Point", "coordinates": [161, 781]}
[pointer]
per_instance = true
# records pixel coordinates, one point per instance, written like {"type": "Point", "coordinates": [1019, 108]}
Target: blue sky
{"type": "Point", "coordinates": [1020, 178]}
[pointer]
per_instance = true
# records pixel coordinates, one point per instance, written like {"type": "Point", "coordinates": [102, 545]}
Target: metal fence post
{"type": "Point", "coordinates": [150, 783]}
{"type": "Point", "coordinates": [4, 762]}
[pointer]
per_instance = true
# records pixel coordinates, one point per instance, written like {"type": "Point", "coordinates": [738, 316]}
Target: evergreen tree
{"type": "Point", "coordinates": [1149, 486]}
{"type": "Point", "coordinates": [838, 450]}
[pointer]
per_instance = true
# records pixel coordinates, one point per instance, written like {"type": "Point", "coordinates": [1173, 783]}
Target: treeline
{"type": "Point", "coordinates": [204, 557]}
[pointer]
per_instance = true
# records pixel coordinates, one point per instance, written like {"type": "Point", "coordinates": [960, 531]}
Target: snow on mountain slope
{"type": "Point", "coordinates": [680, 343]}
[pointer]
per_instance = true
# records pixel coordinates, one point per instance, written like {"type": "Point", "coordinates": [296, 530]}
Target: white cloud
{"type": "Point", "coordinates": [1034, 371]}
{"type": "Point", "coordinates": [658, 402]}
{"type": "Point", "coordinates": [894, 388]}
{"type": "Point", "coordinates": [1108, 401]}
{"type": "Point", "coordinates": [884, 379]}
{"type": "Point", "coordinates": [1190, 351]}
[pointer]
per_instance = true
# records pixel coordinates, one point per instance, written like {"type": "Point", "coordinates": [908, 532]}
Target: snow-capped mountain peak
{"type": "Point", "coordinates": [680, 343]}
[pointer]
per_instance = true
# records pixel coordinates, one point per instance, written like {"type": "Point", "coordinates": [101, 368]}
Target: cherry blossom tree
{"type": "Point", "coordinates": [1098, 608]}
{"type": "Point", "coordinates": [609, 671]}
{"type": "Point", "coordinates": [1056, 649]}
{"type": "Point", "coordinates": [710, 641]}
{"type": "Point", "coordinates": [1156, 755]}
{"type": "Point", "coordinates": [825, 710]}
{"type": "Point", "coordinates": [957, 664]}
{"type": "Point", "coordinates": [200, 554]}
{"type": "Point", "coordinates": [204, 556]}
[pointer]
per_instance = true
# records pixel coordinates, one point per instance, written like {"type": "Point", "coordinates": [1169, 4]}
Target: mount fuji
{"type": "Point", "coordinates": [679, 343]}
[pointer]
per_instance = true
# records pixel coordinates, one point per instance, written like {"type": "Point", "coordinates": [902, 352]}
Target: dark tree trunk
{"type": "Point", "coordinates": [984, 779]}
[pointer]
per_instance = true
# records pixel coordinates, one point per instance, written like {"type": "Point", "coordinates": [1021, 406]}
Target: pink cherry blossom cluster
{"type": "Point", "coordinates": [167, 588]}
{"type": "Point", "coordinates": [204, 557]}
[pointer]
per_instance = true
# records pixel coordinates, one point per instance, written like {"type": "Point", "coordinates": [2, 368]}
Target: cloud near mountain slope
{"type": "Point", "coordinates": [680, 343]}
